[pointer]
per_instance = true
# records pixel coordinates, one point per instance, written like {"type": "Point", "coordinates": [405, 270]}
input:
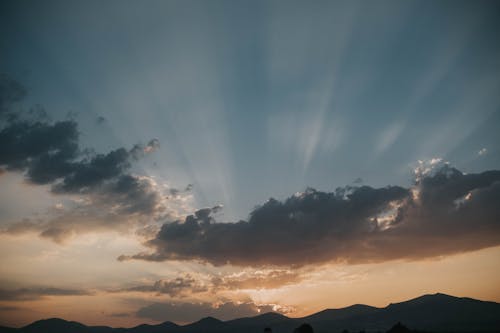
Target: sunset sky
{"type": "Point", "coordinates": [172, 160]}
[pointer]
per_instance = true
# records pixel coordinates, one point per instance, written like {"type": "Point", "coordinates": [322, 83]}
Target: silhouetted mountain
{"type": "Point", "coordinates": [260, 320]}
{"type": "Point", "coordinates": [208, 324]}
{"type": "Point", "coordinates": [436, 312]}
{"type": "Point", "coordinates": [338, 314]}
{"type": "Point", "coordinates": [55, 325]}
{"type": "Point", "coordinates": [440, 312]}
{"type": "Point", "coordinates": [278, 322]}
{"type": "Point", "coordinates": [430, 313]}
{"type": "Point", "coordinates": [160, 328]}
{"type": "Point", "coordinates": [399, 328]}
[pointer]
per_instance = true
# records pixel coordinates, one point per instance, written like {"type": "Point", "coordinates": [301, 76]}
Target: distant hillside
{"type": "Point", "coordinates": [430, 313]}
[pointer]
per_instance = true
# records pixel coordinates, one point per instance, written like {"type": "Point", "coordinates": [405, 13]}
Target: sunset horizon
{"type": "Point", "coordinates": [257, 315]}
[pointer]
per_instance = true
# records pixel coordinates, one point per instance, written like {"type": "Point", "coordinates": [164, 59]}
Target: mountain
{"type": "Point", "coordinates": [258, 323]}
{"type": "Point", "coordinates": [207, 324]}
{"type": "Point", "coordinates": [430, 313]}
{"type": "Point", "coordinates": [339, 314]}
{"type": "Point", "coordinates": [55, 325]}
{"type": "Point", "coordinates": [146, 328]}
{"type": "Point", "coordinates": [435, 313]}
{"type": "Point", "coordinates": [440, 312]}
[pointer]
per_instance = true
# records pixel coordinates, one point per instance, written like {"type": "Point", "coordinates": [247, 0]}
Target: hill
{"type": "Point", "coordinates": [430, 313]}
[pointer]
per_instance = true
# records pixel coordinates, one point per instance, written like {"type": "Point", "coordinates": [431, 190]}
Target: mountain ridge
{"type": "Point", "coordinates": [431, 312]}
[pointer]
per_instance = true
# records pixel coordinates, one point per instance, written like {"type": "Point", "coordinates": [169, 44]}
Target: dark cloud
{"type": "Point", "coordinates": [177, 287]}
{"type": "Point", "coordinates": [354, 224]}
{"type": "Point", "coordinates": [87, 175]}
{"type": "Point", "coordinates": [25, 294]}
{"type": "Point", "coordinates": [140, 150]}
{"type": "Point", "coordinates": [11, 92]}
{"type": "Point", "coordinates": [175, 192]}
{"type": "Point", "coordinates": [48, 153]}
{"type": "Point", "coordinates": [289, 232]}
{"type": "Point", "coordinates": [189, 312]}
{"type": "Point", "coordinates": [100, 120]}
{"type": "Point", "coordinates": [358, 181]}
{"type": "Point", "coordinates": [44, 150]}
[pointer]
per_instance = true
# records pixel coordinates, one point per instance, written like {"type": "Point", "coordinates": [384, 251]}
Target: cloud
{"type": "Point", "coordinates": [177, 287]}
{"type": "Point", "coordinates": [34, 293]}
{"type": "Point", "coordinates": [352, 224]}
{"type": "Point", "coordinates": [189, 312]}
{"type": "Point", "coordinates": [100, 120]}
{"type": "Point", "coordinates": [357, 181]}
{"type": "Point", "coordinates": [294, 231]}
{"type": "Point", "coordinates": [7, 308]}
{"type": "Point", "coordinates": [129, 203]}
{"type": "Point", "coordinates": [198, 284]}
{"type": "Point", "coordinates": [44, 150]}
{"type": "Point", "coordinates": [139, 150]}
{"type": "Point", "coordinates": [260, 279]}
{"type": "Point", "coordinates": [11, 92]}
{"type": "Point", "coordinates": [48, 153]}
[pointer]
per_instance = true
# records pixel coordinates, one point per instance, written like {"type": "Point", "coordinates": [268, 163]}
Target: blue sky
{"type": "Point", "coordinates": [253, 99]}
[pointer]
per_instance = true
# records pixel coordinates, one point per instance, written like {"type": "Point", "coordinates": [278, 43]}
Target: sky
{"type": "Point", "coordinates": [172, 160]}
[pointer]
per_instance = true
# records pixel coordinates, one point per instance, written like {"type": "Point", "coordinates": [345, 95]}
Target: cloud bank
{"type": "Point", "coordinates": [189, 285]}
{"type": "Point", "coordinates": [445, 212]}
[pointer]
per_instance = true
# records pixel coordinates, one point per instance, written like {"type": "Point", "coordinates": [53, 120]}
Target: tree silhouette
{"type": "Point", "coordinates": [399, 328]}
{"type": "Point", "coordinates": [304, 328]}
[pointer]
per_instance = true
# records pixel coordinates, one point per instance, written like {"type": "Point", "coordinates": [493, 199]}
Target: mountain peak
{"type": "Point", "coordinates": [426, 298]}
{"type": "Point", "coordinates": [54, 325]}
{"type": "Point", "coordinates": [270, 315]}
{"type": "Point", "coordinates": [55, 321]}
{"type": "Point", "coordinates": [353, 310]}
{"type": "Point", "coordinates": [52, 320]}
{"type": "Point", "coordinates": [440, 295]}
{"type": "Point", "coordinates": [207, 321]}
{"type": "Point", "coordinates": [210, 318]}
{"type": "Point", "coordinates": [169, 323]}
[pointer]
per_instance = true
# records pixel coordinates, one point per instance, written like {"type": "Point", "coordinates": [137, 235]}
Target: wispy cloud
{"type": "Point", "coordinates": [34, 293]}
{"type": "Point", "coordinates": [388, 137]}
{"type": "Point", "coordinates": [197, 285]}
